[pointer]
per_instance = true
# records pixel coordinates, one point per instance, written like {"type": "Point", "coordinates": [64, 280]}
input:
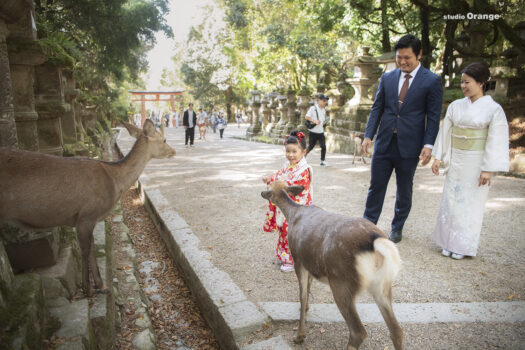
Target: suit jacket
{"type": "Point", "coordinates": [417, 122]}
{"type": "Point", "coordinates": [185, 120]}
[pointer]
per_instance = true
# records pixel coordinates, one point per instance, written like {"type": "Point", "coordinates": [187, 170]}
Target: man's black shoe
{"type": "Point", "coordinates": [395, 236]}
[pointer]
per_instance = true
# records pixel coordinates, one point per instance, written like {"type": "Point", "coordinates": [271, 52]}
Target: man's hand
{"type": "Point", "coordinates": [366, 143]}
{"type": "Point", "coordinates": [484, 178]}
{"type": "Point", "coordinates": [426, 154]}
{"type": "Point", "coordinates": [185, 127]}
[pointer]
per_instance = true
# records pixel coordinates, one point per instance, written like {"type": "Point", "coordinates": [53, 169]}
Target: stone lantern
{"type": "Point", "coordinates": [24, 54]}
{"type": "Point", "coordinates": [51, 107]}
{"type": "Point", "coordinates": [255, 104]}
{"type": "Point", "coordinates": [266, 112]}
{"type": "Point", "coordinates": [303, 104]}
{"type": "Point", "coordinates": [273, 112]}
{"type": "Point", "coordinates": [283, 116]}
{"type": "Point", "coordinates": [10, 12]}
{"type": "Point", "coordinates": [499, 80]}
{"type": "Point", "coordinates": [71, 130]}
{"type": "Point", "coordinates": [361, 81]}
{"type": "Point", "coordinates": [292, 117]}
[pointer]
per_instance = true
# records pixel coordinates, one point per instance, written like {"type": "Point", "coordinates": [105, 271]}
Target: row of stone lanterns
{"type": "Point", "coordinates": [275, 114]}
{"type": "Point", "coordinates": [38, 108]}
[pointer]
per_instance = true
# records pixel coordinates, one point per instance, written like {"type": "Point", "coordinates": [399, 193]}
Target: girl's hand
{"type": "Point", "coordinates": [435, 166]}
{"type": "Point", "coordinates": [265, 179]}
{"type": "Point", "coordinates": [484, 178]}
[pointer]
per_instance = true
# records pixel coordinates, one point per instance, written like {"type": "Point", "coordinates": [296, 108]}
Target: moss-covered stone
{"type": "Point", "coordinates": [22, 321]}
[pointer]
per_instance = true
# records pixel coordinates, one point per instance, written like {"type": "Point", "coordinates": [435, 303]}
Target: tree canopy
{"type": "Point", "coordinates": [296, 45]}
{"type": "Point", "coordinates": [103, 41]}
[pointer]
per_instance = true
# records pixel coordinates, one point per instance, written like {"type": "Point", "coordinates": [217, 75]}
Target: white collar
{"type": "Point", "coordinates": [413, 73]}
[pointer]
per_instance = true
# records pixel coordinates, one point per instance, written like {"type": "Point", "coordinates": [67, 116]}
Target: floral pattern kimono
{"type": "Point", "coordinates": [298, 174]}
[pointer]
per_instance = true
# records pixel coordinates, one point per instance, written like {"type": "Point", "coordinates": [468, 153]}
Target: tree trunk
{"type": "Point", "coordinates": [385, 33]}
{"type": "Point", "coordinates": [424, 13]}
{"type": "Point", "coordinates": [448, 55]}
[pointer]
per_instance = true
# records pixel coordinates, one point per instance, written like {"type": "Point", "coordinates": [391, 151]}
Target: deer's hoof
{"type": "Point", "coordinates": [90, 292]}
{"type": "Point", "coordinates": [299, 339]}
{"type": "Point", "coordinates": [104, 290]}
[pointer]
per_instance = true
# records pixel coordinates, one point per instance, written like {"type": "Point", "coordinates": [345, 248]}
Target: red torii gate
{"type": "Point", "coordinates": [155, 96]}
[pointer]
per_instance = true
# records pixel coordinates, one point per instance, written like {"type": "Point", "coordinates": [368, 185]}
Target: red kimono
{"type": "Point", "coordinates": [298, 174]}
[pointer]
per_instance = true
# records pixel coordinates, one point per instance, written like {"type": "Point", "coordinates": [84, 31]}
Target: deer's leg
{"type": "Point", "coordinates": [310, 279]}
{"type": "Point", "coordinates": [99, 283]}
{"type": "Point", "coordinates": [302, 277]}
{"type": "Point", "coordinates": [85, 241]}
{"type": "Point", "coordinates": [363, 159]}
{"type": "Point", "coordinates": [383, 299]}
{"type": "Point", "coordinates": [344, 296]}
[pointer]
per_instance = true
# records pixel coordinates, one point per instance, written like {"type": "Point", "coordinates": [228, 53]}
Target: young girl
{"type": "Point", "coordinates": [295, 171]}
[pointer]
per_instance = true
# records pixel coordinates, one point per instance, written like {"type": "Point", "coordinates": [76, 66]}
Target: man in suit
{"type": "Point", "coordinates": [405, 115]}
{"type": "Point", "coordinates": [189, 120]}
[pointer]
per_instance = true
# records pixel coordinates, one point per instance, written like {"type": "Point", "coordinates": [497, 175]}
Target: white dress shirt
{"type": "Point", "coordinates": [402, 78]}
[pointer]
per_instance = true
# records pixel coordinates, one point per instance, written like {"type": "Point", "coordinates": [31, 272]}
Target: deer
{"type": "Point", "coordinates": [351, 254]}
{"type": "Point", "coordinates": [358, 147]}
{"type": "Point", "coordinates": [39, 191]}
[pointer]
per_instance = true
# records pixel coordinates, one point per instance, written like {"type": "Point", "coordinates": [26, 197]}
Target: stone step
{"type": "Point", "coordinates": [75, 330]}
{"type": "Point", "coordinates": [67, 271]}
{"type": "Point", "coordinates": [25, 316]}
{"type": "Point", "coordinates": [30, 249]}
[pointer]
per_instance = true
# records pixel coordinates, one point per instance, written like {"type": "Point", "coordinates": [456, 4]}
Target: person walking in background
{"type": "Point", "coordinates": [405, 115]}
{"type": "Point", "coordinates": [221, 123]}
{"type": "Point", "coordinates": [202, 121]}
{"type": "Point", "coordinates": [317, 115]}
{"type": "Point", "coordinates": [213, 121]}
{"type": "Point", "coordinates": [239, 119]}
{"type": "Point", "coordinates": [296, 172]}
{"type": "Point", "coordinates": [472, 144]}
{"type": "Point", "coordinates": [167, 120]}
{"type": "Point", "coordinates": [176, 116]}
{"type": "Point", "coordinates": [189, 120]}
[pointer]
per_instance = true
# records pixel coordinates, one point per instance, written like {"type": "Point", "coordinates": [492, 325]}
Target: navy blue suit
{"type": "Point", "coordinates": [401, 134]}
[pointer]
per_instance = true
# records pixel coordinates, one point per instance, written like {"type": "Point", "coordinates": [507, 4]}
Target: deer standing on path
{"type": "Point", "coordinates": [39, 191]}
{"type": "Point", "coordinates": [350, 254]}
{"type": "Point", "coordinates": [358, 147]}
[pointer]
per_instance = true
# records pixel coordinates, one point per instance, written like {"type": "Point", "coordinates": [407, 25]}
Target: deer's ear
{"type": "Point", "coordinates": [295, 190]}
{"type": "Point", "coordinates": [132, 129]}
{"type": "Point", "coordinates": [148, 128]}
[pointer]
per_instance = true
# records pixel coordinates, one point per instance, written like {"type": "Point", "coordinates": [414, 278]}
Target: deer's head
{"type": "Point", "coordinates": [278, 190]}
{"type": "Point", "coordinates": [157, 146]}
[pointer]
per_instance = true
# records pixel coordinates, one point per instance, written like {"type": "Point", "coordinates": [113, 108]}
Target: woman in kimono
{"type": "Point", "coordinates": [472, 144]}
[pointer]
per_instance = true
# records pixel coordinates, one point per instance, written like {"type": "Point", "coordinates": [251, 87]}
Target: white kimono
{"type": "Point", "coordinates": [461, 212]}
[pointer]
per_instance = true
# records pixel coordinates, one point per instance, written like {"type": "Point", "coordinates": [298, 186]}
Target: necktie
{"type": "Point", "coordinates": [403, 91]}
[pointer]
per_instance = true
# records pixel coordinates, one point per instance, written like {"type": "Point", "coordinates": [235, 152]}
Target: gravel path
{"type": "Point", "coordinates": [216, 189]}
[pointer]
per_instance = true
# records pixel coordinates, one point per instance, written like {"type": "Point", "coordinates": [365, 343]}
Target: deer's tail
{"type": "Point", "coordinates": [378, 269]}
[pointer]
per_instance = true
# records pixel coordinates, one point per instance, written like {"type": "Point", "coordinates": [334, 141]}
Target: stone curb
{"type": "Point", "coordinates": [405, 312]}
{"type": "Point", "coordinates": [227, 310]}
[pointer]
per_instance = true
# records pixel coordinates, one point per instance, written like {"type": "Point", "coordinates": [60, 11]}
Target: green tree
{"type": "Point", "coordinates": [110, 39]}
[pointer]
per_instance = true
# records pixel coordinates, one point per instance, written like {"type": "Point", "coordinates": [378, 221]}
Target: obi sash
{"type": "Point", "coordinates": [469, 139]}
